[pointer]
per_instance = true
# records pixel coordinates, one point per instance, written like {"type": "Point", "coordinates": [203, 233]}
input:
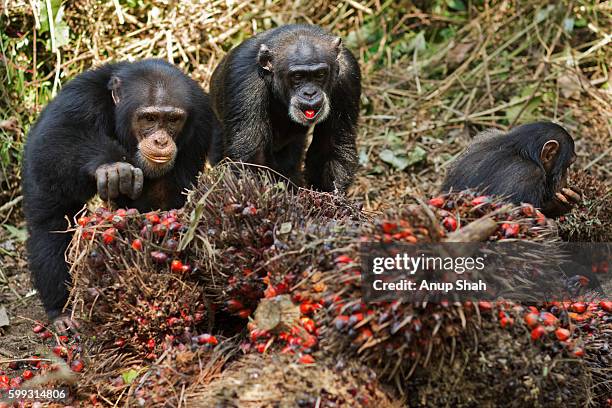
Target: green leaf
{"type": "Point", "coordinates": [456, 5]}
{"type": "Point", "coordinates": [543, 14]}
{"type": "Point", "coordinates": [417, 155]}
{"type": "Point", "coordinates": [363, 157]}
{"type": "Point", "coordinates": [62, 31]}
{"type": "Point", "coordinates": [527, 114]}
{"type": "Point", "coordinates": [397, 161]}
{"type": "Point", "coordinates": [129, 375]}
{"type": "Point", "coordinates": [20, 234]}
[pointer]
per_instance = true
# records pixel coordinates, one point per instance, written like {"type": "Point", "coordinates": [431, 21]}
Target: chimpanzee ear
{"type": "Point", "coordinates": [337, 44]}
{"type": "Point", "coordinates": [264, 57]}
{"type": "Point", "coordinates": [549, 154]}
{"type": "Point", "coordinates": [114, 85]}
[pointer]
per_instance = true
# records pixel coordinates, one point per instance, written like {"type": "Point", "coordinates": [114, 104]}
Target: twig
{"type": "Point", "coordinates": [11, 204]}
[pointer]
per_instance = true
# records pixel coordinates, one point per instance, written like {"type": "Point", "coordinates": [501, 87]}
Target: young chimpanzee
{"type": "Point", "coordinates": [528, 165]}
{"type": "Point", "coordinates": [135, 133]}
{"type": "Point", "coordinates": [271, 89]}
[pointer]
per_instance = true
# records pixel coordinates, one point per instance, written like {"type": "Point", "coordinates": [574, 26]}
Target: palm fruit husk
{"type": "Point", "coordinates": [279, 381]}
{"type": "Point", "coordinates": [591, 221]}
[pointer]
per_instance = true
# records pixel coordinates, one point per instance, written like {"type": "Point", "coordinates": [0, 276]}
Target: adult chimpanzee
{"type": "Point", "coordinates": [135, 133]}
{"type": "Point", "coordinates": [528, 164]}
{"type": "Point", "coordinates": [271, 89]}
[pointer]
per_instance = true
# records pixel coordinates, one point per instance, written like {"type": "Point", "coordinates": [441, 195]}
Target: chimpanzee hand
{"type": "Point", "coordinates": [64, 323]}
{"type": "Point", "coordinates": [119, 178]}
{"type": "Point", "coordinates": [562, 202]}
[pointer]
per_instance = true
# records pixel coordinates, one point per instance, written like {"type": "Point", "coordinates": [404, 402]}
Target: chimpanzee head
{"type": "Point", "coordinates": [549, 145]}
{"type": "Point", "coordinates": [153, 103]}
{"type": "Point", "coordinates": [302, 68]}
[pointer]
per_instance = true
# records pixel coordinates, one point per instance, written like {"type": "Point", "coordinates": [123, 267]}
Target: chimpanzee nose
{"type": "Point", "coordinates": [309, 93]}
{"type": "Point", "coordinates": [161, 141]}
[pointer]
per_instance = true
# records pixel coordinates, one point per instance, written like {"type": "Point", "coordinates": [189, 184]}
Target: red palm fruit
{"type": "Point", "coordinates": [341, 322]}
{"type": "Point", "coordinates": [16, 382]}
{"type": "Point", "coordinates": [108, 236]}
{"type": "Point", "coordinates": [171, 321]}
{"type": "Point", "coordinates": [83, 221]}
{"type": "Point", "coordinates": [59, 351]}
{"type": "Point", "coordinates": [528, 210]}
{"type": "Point", "coordinates": [38, 328]}
{"type": "Point", "coordinates": [537, 332]}
{"type": "Point", "coordinates": [233, 305]}
{"type": "Point", "coordinates": [308, 324]}
{"type": "Point", "coordinates": [159, 257]}
{"type": "Point", "coordinates": [306, 308]}
{"type": "Point", "coordinates": [137, 245]}
{"type": "Point", "coordinates": [343, 259]}
{"type": "Point", "coordinates": [578, 307]}
{"type": "Point", "coordinates": [118, 222]}
{"type": "Point", "coordinates": [562, 334]}
{"type": "Point", "coordinates": [77, 366]}
{"type": "Point", "coordinates": [437, 202]}
{"type": "Point", "coordinates": [548, 319]}
{"type": "Point", "coordinates": [270, 292]}
{"type": "Point", "coordinates": [480, 200]}
{"type": "Point", "coordinates": [506, 322]}
{"type": "Point", "coordinates": [151, 344]}
{"type": "Point", "coordinates": [244, 313]}
{"type": "Point", "coordinates": [45, 335]}
{"type": "Point", "coordinates": [119, 342]}
{"type": "Point", "coordinates": [389, 227]}
{"type": "Point", "coordinates": [510, 230]}
{"type": "Point", "coordinates": [309, 341]}
{"type": "Point", "coordinates": [485, 306]}
{"type": "Point", "coordinates": [159, 230]}
{"type": "Point", "coordinates": [186, 269]}
{"type": "Point", "coordinates": [532, 319]}
{"type": "Point", "coordinates": [260, 347]}
{"type": "Point", "coordinates": [578, 352]}
{"type": "Point", "coordinates": [450, 223]}
{"type": "Point", "coordinates": [27, 374]}
{"type": "Point", "coordinates": [152, 218]}
{"type": "Point", "coordinates": [176, 266]}
{"type": "Point", "coordinates": [307, 359]}
{"type": "Point", "coordinates": [606, 305]}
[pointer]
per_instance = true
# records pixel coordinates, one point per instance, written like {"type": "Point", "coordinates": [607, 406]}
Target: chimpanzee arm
{"type": "Point", "coordinates": [240, 99]}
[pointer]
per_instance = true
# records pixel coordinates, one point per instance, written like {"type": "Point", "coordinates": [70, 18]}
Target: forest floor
{"type": "Point", "coordinates": [432, 78]}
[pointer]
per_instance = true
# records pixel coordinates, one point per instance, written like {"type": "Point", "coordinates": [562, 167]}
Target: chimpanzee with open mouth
{"type": "Point", "coordinates": [273, 88]}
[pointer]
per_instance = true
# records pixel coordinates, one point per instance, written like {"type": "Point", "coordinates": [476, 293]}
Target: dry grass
{"type": "Point", "coordinates": [433, 76]}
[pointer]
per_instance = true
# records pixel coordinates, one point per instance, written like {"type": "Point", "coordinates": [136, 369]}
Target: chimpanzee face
{"type": "Point", "coordinates": [303, 71]}
{"type": "Point", "coordinates": [156, 120]}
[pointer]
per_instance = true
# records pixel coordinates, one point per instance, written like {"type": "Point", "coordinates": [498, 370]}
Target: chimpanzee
{"type": "Point", "coordinates": [528, 164]}
{"type": "Point", "coordinates": [135, 133]}
{"type": "Point", "coordinates": [271, 89]}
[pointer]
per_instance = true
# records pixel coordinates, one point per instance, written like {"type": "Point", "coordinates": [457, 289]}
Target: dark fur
{"type": "Point", "coordinates": [82, 129]}
{"type": "Point", "coordinates": [253, 110]}
{"type": "Point", "coordinates": [509, 164]}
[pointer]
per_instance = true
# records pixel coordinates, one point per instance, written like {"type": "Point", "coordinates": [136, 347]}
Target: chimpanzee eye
{"type": "Point", "coordinates": [150, 118]}
{"type": "Point", "coordinates": [320, 75]}
{"type": "Point", "coordinates": [297, 76]}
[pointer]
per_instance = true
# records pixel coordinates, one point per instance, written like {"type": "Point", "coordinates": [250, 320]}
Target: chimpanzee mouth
{"type": "Point", "coordinates": [154, 166]}
{"type": "Point", "coordinates": [310, 114]}
{"type": "Point", "coordinates": [158, 159]}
